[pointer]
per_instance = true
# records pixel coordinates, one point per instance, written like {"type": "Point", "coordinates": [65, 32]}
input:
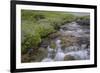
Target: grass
{"type": "Point", "coordinates": [37, 24]}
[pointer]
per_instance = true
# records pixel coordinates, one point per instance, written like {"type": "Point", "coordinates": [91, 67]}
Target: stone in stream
{"type": "Point", "coordinates": [68, 57]}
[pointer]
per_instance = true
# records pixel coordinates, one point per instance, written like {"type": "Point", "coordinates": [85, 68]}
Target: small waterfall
{"type": "Point", "coordinates": [58, 45]}
{"type": "Point", "coordinates": [59, 53]}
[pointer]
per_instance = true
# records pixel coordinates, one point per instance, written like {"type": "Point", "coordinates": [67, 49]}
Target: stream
{"type": "Point", "coordinates": [76, 51]}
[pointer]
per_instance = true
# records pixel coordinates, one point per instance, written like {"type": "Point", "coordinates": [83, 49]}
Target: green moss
{"type": "Point", "coordinates": [53, 45]}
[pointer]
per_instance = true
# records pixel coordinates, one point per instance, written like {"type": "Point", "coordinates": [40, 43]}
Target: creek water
{"type": "Point", "coordinates": [80, 51]}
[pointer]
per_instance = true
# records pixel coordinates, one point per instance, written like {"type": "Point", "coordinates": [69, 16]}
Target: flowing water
{"type": "Point", "coordinates": [80, 51]}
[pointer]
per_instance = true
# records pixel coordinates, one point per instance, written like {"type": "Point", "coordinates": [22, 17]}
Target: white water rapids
{"type": "Point", "coordinates": [78, 52]}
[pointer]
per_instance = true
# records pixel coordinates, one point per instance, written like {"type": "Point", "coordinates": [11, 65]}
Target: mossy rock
{"type": "Point", "coordinates": [52, 45]}
{"type": "Point", "coordinates": [69, 57]}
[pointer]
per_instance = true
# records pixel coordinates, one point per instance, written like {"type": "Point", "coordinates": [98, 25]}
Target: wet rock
{"type": "Point", "coordinates": [69, 57]}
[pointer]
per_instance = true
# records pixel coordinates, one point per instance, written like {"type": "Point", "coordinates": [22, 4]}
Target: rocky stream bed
{"type": "Point", "coordinates": [71, 42]}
